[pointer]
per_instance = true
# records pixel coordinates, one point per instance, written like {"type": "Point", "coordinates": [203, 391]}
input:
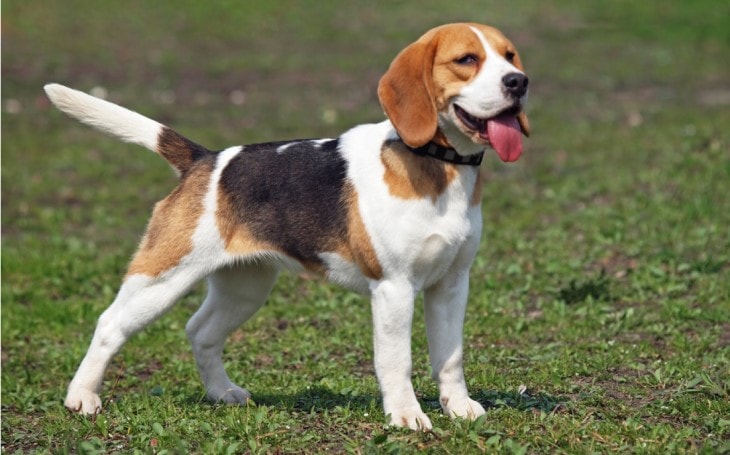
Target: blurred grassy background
{"type": "Point", "coordinates": [602, 279]}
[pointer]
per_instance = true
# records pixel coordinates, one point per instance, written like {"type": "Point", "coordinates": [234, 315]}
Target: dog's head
{"type": "Point", "coordinates": [461, 85]}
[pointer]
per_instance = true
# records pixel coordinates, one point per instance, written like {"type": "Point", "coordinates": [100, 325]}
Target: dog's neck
{"type": "Point", "coordinates": [440, 148]}
{"type": "Point", "coordinates": [450, 136]}
{"type": "Point", "coordinates": [448, 154]}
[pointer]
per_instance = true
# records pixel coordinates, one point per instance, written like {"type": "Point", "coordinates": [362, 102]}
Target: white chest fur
{"type": "Point", "coordinates": [415, 239]}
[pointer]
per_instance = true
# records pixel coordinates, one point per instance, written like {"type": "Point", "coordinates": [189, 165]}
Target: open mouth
{"type": "Point", "coordinates": [471, 122]}
{"type": "Point", "coordinates": [478, 124]}
{"type": "Point", "coordinates": [502, 131]}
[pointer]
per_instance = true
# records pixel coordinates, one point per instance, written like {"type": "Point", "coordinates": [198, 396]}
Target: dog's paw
{"type": "Point", "coordinates": [83, 401]}
{"type": "Point", "coordinates": [415, 420]}
{"type": "Point", "coordinates": [465, 408]}
{"type": "Point", "coordinates": [231, 394]}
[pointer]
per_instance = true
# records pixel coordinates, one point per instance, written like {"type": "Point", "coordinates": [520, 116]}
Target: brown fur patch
{"type": "Point", "coordinates": [424, 76]}
{"type": "Point", "coordinates": [359, 248]}
{"type": "Point", "coordinates": [449, 77]}
{"type": "Point", "coordinates": [169, 233]}
{"type": "Point", "coordinates": [237, 238]}
{"type": "Point", "coordinates": [500, 43]}
{"type": "Point", "coordinates": [410, 176]}
{"type": "Point", "coordinates": [178, 150]}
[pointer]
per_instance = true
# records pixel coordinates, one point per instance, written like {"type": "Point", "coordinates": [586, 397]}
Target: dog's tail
{"type": "Point", "coordinates": [128, 126]}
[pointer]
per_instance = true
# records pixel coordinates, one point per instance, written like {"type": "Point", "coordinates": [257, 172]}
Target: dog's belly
{"type": "Point", "coordinates": [345, 273]}
{"type": "Point", "coordinates": [423, 266]}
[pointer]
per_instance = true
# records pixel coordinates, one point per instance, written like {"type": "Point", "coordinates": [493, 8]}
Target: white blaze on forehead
{"type": "Point", "coordinates": [494, 57]}
{"type": "Point", "coordinates": [484, 96]}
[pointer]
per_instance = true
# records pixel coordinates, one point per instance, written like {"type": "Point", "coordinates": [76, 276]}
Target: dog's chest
{"type": "Point", "coordinates": [418, 214]}
{"type": "Point", "coordinates": [423, 239]}
{"type": "Point", "coordinates": [412, 240]}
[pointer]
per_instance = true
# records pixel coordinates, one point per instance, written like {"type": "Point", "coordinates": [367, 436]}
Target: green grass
{"type": "Point", "coordinates": [599, 317]}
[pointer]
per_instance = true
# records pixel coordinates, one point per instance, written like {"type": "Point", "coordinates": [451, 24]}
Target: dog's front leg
{"type": "Point", "coordinates": [392, 304]}
{"type": "Point", "coordinates": [445, 306]}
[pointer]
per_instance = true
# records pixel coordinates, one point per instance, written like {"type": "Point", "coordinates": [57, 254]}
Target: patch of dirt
{"type": "Point", "coordinates": [616, 264]}
{"type": "Point", "coordinates": [612, 388]}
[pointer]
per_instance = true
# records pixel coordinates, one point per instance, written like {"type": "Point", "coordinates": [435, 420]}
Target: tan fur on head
{"type": "Point", "coordinates": [421, 79]}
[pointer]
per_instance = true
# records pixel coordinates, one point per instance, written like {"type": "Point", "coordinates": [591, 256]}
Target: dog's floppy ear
{"type": "Point", "coordinates": [406, 94]}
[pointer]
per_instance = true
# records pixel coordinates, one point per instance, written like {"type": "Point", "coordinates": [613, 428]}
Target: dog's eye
{"type": "Point", "coordinates": [509, 56]}
{"type": "Point", "coordinates": [468, 59]}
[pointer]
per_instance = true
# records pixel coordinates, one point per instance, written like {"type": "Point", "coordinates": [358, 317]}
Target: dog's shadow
{"type": "Point", "coordinates": [317, 399]}
{"type": "Point", "coordinates": [321, 399]}
{"type": "Point", "coordinates": [522, 400]}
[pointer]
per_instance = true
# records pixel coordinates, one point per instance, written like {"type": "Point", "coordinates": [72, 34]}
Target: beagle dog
{"type": "Point", "coordinates": [389, 209]}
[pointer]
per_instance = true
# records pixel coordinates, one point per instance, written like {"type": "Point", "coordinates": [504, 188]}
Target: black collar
{"type": "Point", "coordinates": [448, 154]}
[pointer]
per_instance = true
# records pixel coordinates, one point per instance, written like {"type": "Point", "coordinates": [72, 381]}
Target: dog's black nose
{"type": "Point", "coordinates": [516, 83]}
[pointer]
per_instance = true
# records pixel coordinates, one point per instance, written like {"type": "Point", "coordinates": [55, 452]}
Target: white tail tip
{"type": "Point", "coordinates": [108, 117]}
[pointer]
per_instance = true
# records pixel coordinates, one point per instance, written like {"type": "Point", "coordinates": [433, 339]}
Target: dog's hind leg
{"type": "Point", "coordinates": [234, 295]}
{"type": "Point", "coordinates": [182, 245]}
{"type": "Point", "coordinates": [140, 301]}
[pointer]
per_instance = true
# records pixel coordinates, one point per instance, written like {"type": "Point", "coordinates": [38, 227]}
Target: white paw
{"type": "Point", "coordinates": [414, 419]}
{"type": "Point", "coordinates": [83, 401]}
{"type": "Point", "coordinates": [230, 394]}
{"type": "Point", "coordinates": [465, 408]}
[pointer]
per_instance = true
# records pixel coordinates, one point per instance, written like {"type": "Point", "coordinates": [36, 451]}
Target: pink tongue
{"type": "Point", "coordinates": [505, 136]}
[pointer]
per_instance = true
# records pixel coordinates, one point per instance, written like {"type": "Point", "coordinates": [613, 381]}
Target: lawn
{"type": "Point", "coordinates": [599, 314]}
